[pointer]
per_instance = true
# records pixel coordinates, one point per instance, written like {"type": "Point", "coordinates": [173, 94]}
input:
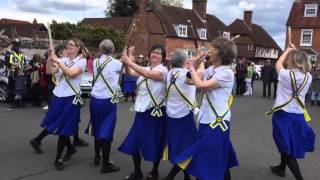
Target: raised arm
{"type": "Point", "coordinates": [69, 72]}
{"type": "Point", "coordinates": [283, 57]}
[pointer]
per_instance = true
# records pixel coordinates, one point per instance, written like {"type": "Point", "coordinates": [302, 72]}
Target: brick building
{"type": "Point", "coordinates": [171, 26]}
{"type": "Point", "coordinates": [304, 20]}
{"type": "Point", "coordinates": [254, 44]}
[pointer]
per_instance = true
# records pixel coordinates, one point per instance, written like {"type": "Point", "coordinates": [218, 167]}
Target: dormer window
{"type": "Point", "coordinates": [181, 30]}
{"type": "Point", "coordinates": [202, 32]}
{"type": "Point", "coordinates": [310, 10]}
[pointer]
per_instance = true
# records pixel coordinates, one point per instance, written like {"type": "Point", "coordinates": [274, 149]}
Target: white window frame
{"type": "Point", "coordinates": [182, 30]}
{"type": "Point", "coordinates": [250, 47]}
{"type": "Point", "coordinates": [202, 33]}
{"type": "Point", "coordinates": [310, 7]}
{"type": "Point", "coordinates": [313, 58]}
{"type": "Point", "coordinates": [303, 31]}
{"type": "Point", "coordinates": [226, 34]}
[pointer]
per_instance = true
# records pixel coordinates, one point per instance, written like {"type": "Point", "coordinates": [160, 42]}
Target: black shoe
{"type": "Point", "coordinates": [69, 153]}
{"type": "Point", "coordinates": [278, 171]}
{"type": "Point", "coordinates": [59, 164]}
{"type": "Point", "coordinates": [152, 176]}
{"type": "Point", "coordinates": [110, 167]}
{"type": "Point", "coordinates": [36, 146]}
{"type": "Point", "coordinates": [134, 176]}
{"type": "Point", "coordinates": [97, 160]}
{"type": "Point", "coordinates": [80, 143]}
{"type": "Point", "coordinates": [312, 103]}
{"type": "Point", "coordinates": [187, 178]}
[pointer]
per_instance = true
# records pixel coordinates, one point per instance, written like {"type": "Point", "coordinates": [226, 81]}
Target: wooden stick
{"type": "Point", "coordinates": [289, 35]}
{"type": "Point", "coordinates": [50, 35]}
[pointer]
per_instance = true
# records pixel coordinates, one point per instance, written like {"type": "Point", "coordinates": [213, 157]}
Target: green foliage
{"type": "Point", "coordinates": [90, 35]}
{"type": "Point", "coordinates": [177, 3]}
{"type": "Point", "coordinates": [122, 8]}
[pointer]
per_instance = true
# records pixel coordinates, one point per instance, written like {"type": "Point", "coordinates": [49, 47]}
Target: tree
{"type": "Point", "coordinates": [90, 35]}
{"type": "Point", "coordinates": [121, 8]}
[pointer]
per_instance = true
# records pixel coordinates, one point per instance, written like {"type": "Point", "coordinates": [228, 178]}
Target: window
{"type": "Point", "coordinates": [190, 53]}
{"type": "Point", "coordinates": [313, 58]}
{"type": "Point", "coordinates": [306, 37]}
{"type": "Point", "coordinates": [202, 33]}
{"type": "Point", "coordinates": [250, 47]}
{"type": "Point", "coordinates": [181, 30]}
{"type": "Point", "coordinates": [226, 35]}
{"type": "Point", "coordinates": [310, 10]}
{"type": "Point", "coordinates": [267, 51]}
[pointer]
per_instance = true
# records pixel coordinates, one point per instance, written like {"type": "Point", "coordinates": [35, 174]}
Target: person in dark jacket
{"type": "Point", "coordinates": [266, 75]}
{"type": "Point", "coordinates": [34, 68]}
{"type": "Point", "coordinates": [241, 73]}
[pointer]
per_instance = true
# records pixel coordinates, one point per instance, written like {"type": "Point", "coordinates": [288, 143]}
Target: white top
{"type": "Point", "coordinates": [158, 88]}
{"type": "Point", "coordinates": [219, 97]}
{"type": "Point", "coordinates": [110, 73]}
{"type": "Point", "coordinates": [284, 90]}
{"type": "Point", "coordinates": [177, 107]}
{"type": "Point", "coordinates": [62, 89]}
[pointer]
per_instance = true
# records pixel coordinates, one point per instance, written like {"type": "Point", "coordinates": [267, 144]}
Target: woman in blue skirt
{"type": "Point", "coordinates": [146, 136]}
{"type": "Point", "coordinates": [211, 156]}
{"type": "Point", "coordinates": [103, 104]}
{"type": "Point", "coordinates": [63, 116]}
{"type": "Point", "coordinates": [291, 133]}
{"type": "Point", "coordinates": [181, 130]}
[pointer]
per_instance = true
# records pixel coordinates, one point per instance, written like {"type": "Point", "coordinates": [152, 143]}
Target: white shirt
{"type": "Point", "coordinates": [158, 88]}
{"type": "Point", "coordinates": [62, 89]}
{"type": "Point", "coordinates": [110, 73]}
{"type": "Point", "coordinates": [177, 107]}
{"type": "Point", "coordinates": [219, 97]}
{"type": "Point", "coordinates": [284, 90]}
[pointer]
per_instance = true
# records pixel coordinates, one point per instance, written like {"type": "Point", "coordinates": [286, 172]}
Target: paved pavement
{"type": "Point", "coordinates": [251, 136]}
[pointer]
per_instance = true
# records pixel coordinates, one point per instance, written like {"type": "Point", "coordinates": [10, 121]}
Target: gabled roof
{"type": "Point", "coordinates": [296, 17]}
{"type": "Point", "coordinates": [171, 16]}
{"type": "Point", "coordinates": [12, 21]}
{"type": "Point", "coordinates": [119, 23]}
{"type": "Point", "coordinates": [23, 30]}
{"type": "Point", "coordinates": [256, 34]}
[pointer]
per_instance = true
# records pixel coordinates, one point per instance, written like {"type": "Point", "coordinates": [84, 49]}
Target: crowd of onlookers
{"type": "Point", "coordinates": [35, 84]}
{"type": "Point", "coordinates": [247, 72]}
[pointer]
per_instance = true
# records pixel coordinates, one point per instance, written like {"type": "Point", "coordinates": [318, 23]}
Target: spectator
{"type": "Point", "coordinates": [34, 68]}
{"type": "Point", "coordinates": [248, 79]}
{"type": "Point", "coordinates": [241, 73]}
{"type": "Point", "coordinates": [129, 87]}
{"type": "Point", "coordinates": [275, 82]}
{"type": "Point", "coordinates": [266, 75]}
{"type": "Point", "coordinates": [315, 86]}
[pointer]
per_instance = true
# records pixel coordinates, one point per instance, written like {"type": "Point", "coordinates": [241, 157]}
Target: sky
{"type": "Point", "coordinates": [270, 14]}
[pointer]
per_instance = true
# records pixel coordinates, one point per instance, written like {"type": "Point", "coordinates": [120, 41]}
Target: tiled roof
{"type": "Point", "coordinates": [296, 17]}
{"type": "Point", "coordinates": [119, 23]}
{"type": "Point", "coordinates": [12, 21]}
{"type": "Point", "coordinates": [171, 16]}
{"type": "Point", "coordinates": [23, 30]}
{"type": "Point", "coordinates": [256, 33]}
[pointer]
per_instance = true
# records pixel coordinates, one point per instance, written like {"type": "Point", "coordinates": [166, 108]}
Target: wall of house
{"type": "Point", "coordinates": [296, 38]}
{"type": "Point", "coordinates": [175, 43]}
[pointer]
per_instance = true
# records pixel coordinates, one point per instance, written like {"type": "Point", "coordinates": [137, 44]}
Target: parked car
{"type": "Point", "coordinates": [86, 83]}
{"type": "Point", "coordinates": [258, 70]}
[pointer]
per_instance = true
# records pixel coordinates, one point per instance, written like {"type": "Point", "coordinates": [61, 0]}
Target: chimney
{"type": "Point", "coordinates": [248, 18]}
{"type": "Point", "coordinates": [200, 6]}
{"type": "Point", "coordinates": [35, 21]}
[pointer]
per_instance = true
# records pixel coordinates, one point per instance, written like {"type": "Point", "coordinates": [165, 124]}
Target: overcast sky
{"type": "Point", "coordinates": [270, 14]}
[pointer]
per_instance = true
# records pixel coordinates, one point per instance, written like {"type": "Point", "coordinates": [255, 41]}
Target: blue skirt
{"type": "Point", "coordinates": [292, 135]}
{"type": "Point", "coordinates": [62, 117]}
{"type": "Point", "coordinates": [181, 133]}
{"type": "Point", "coordinates": [103, 117]}
{"type": "Point", "coordinates": [210, 156]}
{"type": "Point", "coordinates": [129, 86]}
{"type": "Point", "coordinates": [146, 136]}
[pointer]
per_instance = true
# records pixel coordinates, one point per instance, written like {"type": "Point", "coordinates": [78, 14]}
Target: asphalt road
{"type": "Point", "coordinates": [251, 137]}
